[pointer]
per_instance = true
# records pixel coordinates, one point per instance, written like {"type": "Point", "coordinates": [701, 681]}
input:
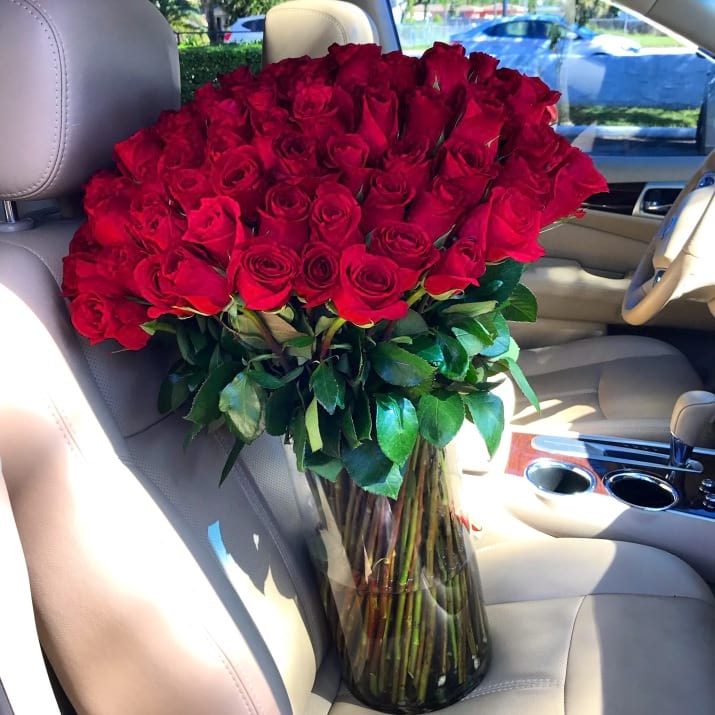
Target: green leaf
{"type": "Point", "coordinates": [273, 382]}
{"type": "Point", "coordinates": [324, 466]}
{"type": "Point", "coordinates": [324, 322]}
{"type": "Point", "coordinates": [362, 417]}
{"type": "Point", "coordinates": [279, 407]}
{"type": "Point", "coordinates": [498, 281]}
{"type": "Point", "coordinates": [396, 366]}
{"type": "Point", "coordinates": [523, 383]}
{"type": "Point", "coordinates": [487, 413]}
{"type": "Point", "coordinates": [456, 360]}
{"type": "Point", "coordinates": [412, 324]}
{"type": "Point", "coordinates": [471, 344]}
{"type": "Point", "coordinates": [521, 306]}
{"type": "Point", "coordinates": [174, 391]}
{"type": "Point", "coordinates": [373, 471]}
{"type": "Point", "coordinates": [183, 340]}
{"type": "Point", "coordinates": [242, 403]}
{"type": "Point", "coordinates": [300, 438]}
{"type": "Point", "coordinates": [397, 426]}
{"type": "Point", "coordinates": [328, 387]}
{"type": "Point", "coordinates": [281, 330]}
{"type": "Point", "coordinates": [312, 426]}
{"type": "Point", "coordinates": [349, 430]}
{"type": "Point", "coordinates": [300, 341]}
{"type": "Point", "coordinates": [470, 310]}
{"type": "Point", "coordinates": [331, 432]}
{"type": "Point", "coordinates": [231, 459]}
{"type": "Point", "coordinates": [501, 339]}
{"type": "Point", "coordinates": [440, 418]}
{"type": "Point", "coordinates": [205, 407]}
{"type": "Point", "coordinates": [427, 347]}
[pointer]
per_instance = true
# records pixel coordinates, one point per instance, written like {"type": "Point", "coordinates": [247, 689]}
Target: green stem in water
{"type": "Point", "coordinates": [329, 335]}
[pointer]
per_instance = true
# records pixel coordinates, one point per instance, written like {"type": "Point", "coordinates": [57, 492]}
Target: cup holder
{"type": "Point", "coordinates": [554, 478]}
{"type": "Point", "coordinates": [643, 491]}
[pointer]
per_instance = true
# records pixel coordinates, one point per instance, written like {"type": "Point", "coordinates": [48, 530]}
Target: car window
{"type": "Point", "coordinates": [627, 88]}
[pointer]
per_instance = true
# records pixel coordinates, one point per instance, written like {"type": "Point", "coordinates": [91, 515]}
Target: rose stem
{"type": "Point", "coordinates": [329, 335]}
{"type": "Point", "coordinates": [404, 576]}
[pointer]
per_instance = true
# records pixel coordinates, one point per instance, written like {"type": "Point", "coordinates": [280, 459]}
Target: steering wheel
{"type": "Point", "coordinates": [680, 259]}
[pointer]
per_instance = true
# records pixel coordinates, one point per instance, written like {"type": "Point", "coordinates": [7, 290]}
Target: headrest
{"type": "Point", "coordinates": [77, 76]}
{"type": "Point", "coordinates": [308, 27]}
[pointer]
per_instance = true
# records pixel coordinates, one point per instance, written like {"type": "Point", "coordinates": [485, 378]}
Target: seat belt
{"type": "Point", "coordinates": [25, 683]}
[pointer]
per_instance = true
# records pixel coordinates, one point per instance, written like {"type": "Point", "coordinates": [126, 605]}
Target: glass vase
{"type": "Point", "coordinates": [400, 586]}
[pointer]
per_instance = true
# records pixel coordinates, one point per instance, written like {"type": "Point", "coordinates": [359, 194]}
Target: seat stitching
{"type": "Point", "coordinates": [507, 685]}
{"type": "Point", "coordinates": [568, 652]}
{"type": "Point", "coordinates": [44, 22]}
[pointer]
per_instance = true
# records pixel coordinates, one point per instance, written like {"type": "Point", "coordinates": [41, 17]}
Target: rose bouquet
{"type": "Point", "coordinates": [336, 245]}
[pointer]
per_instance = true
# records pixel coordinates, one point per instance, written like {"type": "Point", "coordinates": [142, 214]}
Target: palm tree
{"type": "Point", "coordinates": [175, 10]}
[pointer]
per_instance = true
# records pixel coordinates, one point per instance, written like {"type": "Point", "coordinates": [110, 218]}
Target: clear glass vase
{"type": "Point", "coordinates": [400, 586]}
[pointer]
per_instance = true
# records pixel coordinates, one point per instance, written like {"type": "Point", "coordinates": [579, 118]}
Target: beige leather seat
{"type": "Point", "coordinates": [619, 386]}
{"type": "Point", "coordinates": [155, 592]}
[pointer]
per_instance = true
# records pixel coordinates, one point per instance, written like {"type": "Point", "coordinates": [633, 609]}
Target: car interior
{"type": "Point", "coordinates": [132, 584]}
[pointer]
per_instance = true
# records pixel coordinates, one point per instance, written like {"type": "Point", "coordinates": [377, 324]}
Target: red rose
{"type": "Point", "coordinates": [481, 67]}
{"type": "Point", "coordinates": [206, 97]}
{"type": "Point", "coordinates": [459, 266]}
{"type": "Point", "coordinates": [387, 198]}
{"type": "Point", "coordinates": [318, 275]}
{"type": "Point", "coordinates": [238, 173]}
{"type": "Point", "coordinates": [469, 166]}
{"type": "Point", "coordinates": [378, 124]}
{"type": "Point", "coordinates": [525, 97]}
{"type": "Point", "coordinates": [215, 228]}
{"type": "Point", "coordinates": [574, 181]}
{"type": "Point", "coordinates": [356, 64]}
{"type": "Point", "coordinates": [446, 67]}
{"type": "Point", "coordinates": [152, 286]}
{"type": "Point", "coordinates": [480, 120]}
{"type": "Point", "coordinates": [180, 154]}
{"type": "Point", "coordinates": [409, 246]}
{"type": "Point", "coordinates": [515, 171]}
{"type": "Point", "coordinates": [138, 156]}
{"type": "Point", "coordinates": [269, 122]}
{"type": "Point", "coordinates": [401, 70]}
{"type": "Point", "coordinates": [315, 110]}
{"type": "Point", "coordinates": [99, 317]}
{"type": "Point", "coordinates": [237, 81]}
{"type": "Point", "coordinates": [195, 282]}
{"type": "Point", "coordinates": [335, 215]}
{"type": "Point", "coordinates": [511, 221]}
{"type": "Point", "coordinates": [230, 113]}
{"type": "Point", "coordinates": [80, 262]}
{"type": "Point", "coordinates": [409, 157]}
{"type": "Point", "coordinates": [285, 218]}
{"type": "Point", "coordinates": [349, 154]}
{"type": "Point", "coordinates": [263, 274]}
{"type": "Point", "coordinates": [184, 123]}
{"type": "Point", "coordinates": [427, 115]}
{"type": "Point", "coordinates": [542, 148]}
{"type": "Point", "coordinates": [369, 289]}
{"type": "Point", "coordinates": [189, 186]}
{"type": "Point", "coordinates": [263, 97]}
{"type": "Point", "coordinates": [155, 222]}
{"type": "Point", "coordinates": [283, 74]}
{"type": "Point", "coordinates": [438, 210]}
{"type": "Point", "coordinates": [107, 200]}
{"type": "Point", "coordinates": [294, 154]}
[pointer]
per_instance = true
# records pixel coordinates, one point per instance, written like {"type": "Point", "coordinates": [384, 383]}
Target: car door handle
{"type": "Point", "coordinates": [657, 198]}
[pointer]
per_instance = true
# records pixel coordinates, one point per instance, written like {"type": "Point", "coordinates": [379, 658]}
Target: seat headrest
{"type": "Point", "coordinates": [77, 76]}
{"type": "Point", "coordinates": [320, 24]}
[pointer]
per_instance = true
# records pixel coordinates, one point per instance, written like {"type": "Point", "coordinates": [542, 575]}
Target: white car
{"type": "Point", "coordinates": [246, 29]}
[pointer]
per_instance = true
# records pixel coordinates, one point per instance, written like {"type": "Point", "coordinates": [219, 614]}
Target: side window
{"type": "Point", "coordinates": [627, 88]}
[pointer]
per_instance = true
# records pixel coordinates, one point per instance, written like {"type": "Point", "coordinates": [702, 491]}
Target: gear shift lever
{"type": "Point", "coordinates": [692, 412]}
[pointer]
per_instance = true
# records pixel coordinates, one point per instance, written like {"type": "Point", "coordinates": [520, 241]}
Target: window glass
{"type": "Point", "coordinates": [627, 88]}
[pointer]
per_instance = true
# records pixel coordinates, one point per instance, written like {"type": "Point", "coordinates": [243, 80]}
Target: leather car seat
{"type": "Point", "coordinates": [158, 593]}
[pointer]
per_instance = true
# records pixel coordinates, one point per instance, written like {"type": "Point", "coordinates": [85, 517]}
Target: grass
{"type": "Point", "coordinates": [645, 39]}
{"type": "Point", "coordinates": [634, 116]}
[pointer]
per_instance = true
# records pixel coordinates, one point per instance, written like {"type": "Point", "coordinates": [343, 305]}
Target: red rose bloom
{"type": "Point", "coordinates": [335, 216]}
{"type": "Point", "coordinates": [409, 246]}
{"type": "Point", "coordinates": [155, 221]}
{"type": "Point", "coordinates": [189, 187]}
{"type": "Point", "coordinates": [541, 147]}
{"type": "Point", "coordinates": [285, 218]}
{"type": "Point", "coordinates": [315, 110]}
{"type": "Point", "coordinates": [387, 198]}
{"type": "Point", "coordinates": [378, 124]}
{"type": "Point", "coordinates": [195, 282]}
{"type": "Point", "coordinates": [294, 155]}
{"type": "Point", "coordinates": [80, 262]}
{"type": "Point", "coordinates": [138, 156]}
{"type": "Point", "coordinates": [401, 70]}
{"type": "Point", "coordinates": [99, 316]}
{"type": "Point", "coordinates": [356, 64]}
{"type": "Point", "coordinates": [409, 157]}
{"type": "Point", "coordinates": [427, 115]}
{"type": "Point", "coordinates": [263, 274]}
{"type": "Point", "coordinates": [349, 153]}
{"type": "Point", "coordinates": [369, 289]}
{"type": "Point", "coordinates": [459, 266]}
{"type": "Point", "coordinates": [152, 286]}
{"type": "Point", "coordinates": [480, 121]}
{"type": "Point", "coordinates": [107, 199]}
{"type": "Point", "coordinates": [481, 67]}
{"type": "Point", "coordinates": [180, 154]}
{"type": "Point", "coordinates": [238, 173]}
{"type": "Point", "coordinates": [439, 210]}
{"type": "Point", "coordinates": [468, 166]}
{"type": "Point", "coordinates": [446, 67]}
{"type": "Point", "coordinates": [318, 275]}
{"type": "Point", "coordinates": [215, 228]}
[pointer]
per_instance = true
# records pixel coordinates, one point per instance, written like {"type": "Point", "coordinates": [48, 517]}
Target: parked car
{"type": "Point", "coordinates": [539, 31]}
{"type": "Point", "coordinates": [246, 29]}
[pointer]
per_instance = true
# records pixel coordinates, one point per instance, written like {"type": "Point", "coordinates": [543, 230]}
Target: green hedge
{"type": "Point", "coordinates": [203, 64]}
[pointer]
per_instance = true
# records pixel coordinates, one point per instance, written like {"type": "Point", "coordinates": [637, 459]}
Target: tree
{"type": "Point", "coordinates": [244, 8]}
{"type": "Point", "coordinates": [175, 11]}
{"type": "Point", "coordinates": [585, 10]}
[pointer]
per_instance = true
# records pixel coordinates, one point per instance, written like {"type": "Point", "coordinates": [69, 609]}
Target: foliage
{"type": "Point", "coordinates": [246, 8]}
{"type": "Point", "coordinates": [586, 10]}
{"type": "Point", "coordinates": [204, 64]}
{"type": "Point", "coordinates": [175, 10]}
